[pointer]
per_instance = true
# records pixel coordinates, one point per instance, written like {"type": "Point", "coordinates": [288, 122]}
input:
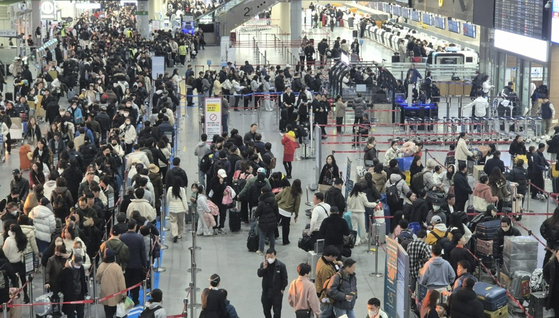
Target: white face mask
{"type": "Point", "coordinates": [436, 208]}
{"type": "Point", "coordinates": [372, 313]}
{"type": "Point", "coordinates": [10, 233]}
{"type": "Point", "coordinates": [271, 260]}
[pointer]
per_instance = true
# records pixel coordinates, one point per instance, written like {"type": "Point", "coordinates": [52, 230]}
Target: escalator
{"type": "Point", "coordinates": [234, 13]}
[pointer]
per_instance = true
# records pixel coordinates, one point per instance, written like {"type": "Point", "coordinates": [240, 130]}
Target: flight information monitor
{"type": "Point", "coordinates": [523, 17]}
{"type": "Point", "coordinates": [454, 26]}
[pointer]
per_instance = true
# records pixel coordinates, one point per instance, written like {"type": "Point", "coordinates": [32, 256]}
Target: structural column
{"type": "Point", "coordinates": [142, 17]}
{"type": "Point", "coordinates": [296, 19]}
{"type": "Point", "coordinates": [553, 79]}
{"type": "Point", "coordinates": [36, 17]}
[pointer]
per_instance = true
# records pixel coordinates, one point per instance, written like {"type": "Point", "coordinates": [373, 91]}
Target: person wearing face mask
{"type": "Point", "coordinates": [391, 153]}
{"type": "Point", "coordinates": [20, 183]}
{"type": "Point", "coordinates": [326, 267]}
{"type": "Point", "coordinates": [9, 216]}
{"type": "Point", "coordinates": [436, 210]}
{"type": "Point", "coordinates": [274, 281]}
{"type": "Point", "coordinates": [373, 309]}
{"type": "Point", "coordinates": [128, 134]}
{"type": "Point", "coordinates": [71, 282]}
{"type": "Point", "coordinates": [371, 152]}
{"type": "Point", "coordinates": [498, 242]}
{"type": "Point", "coordinates": [55, 264]}
{"type": "Point", "coordinates": [439, 231]}
{"type": "Point", "coordinates": [14, 247]}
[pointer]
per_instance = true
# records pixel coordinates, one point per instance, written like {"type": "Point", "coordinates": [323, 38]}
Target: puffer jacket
{"type": "Point", "coordinates": [465, 304]}
{"type": "Point", "coordinates": [44, 221]}
{"type": "Point", "coordinates": [29, 231]}
{"type": "Point", "coordinates": [267, 212]}
{"type": "Point", "coordinates": [520, 176]}
{"type": "Point", "coordinates": [341, 285]}
{"type": "Point", "coordinates": [499, 189]}
{"type": "Point", "coordinates": [255, 191]}
{"type": "Point", "coordinates": [380, 181]}
{"type": "Point", "coordinates": [177, 205]}
{"type": "Point", "coordinates": [483, 197]}
{"type": "Point", "coordinates": [359, 106]}
{"type": "Point", "coordinates": [402, 187]}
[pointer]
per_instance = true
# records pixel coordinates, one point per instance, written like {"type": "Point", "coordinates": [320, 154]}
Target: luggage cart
{"type": "Point", "coordinates": [536, 125]}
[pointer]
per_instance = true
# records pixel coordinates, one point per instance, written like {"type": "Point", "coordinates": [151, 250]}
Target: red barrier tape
{"type": "Point", "coordinates": [26, 282]}
{"type": "Point", "coordinates": [500, 285]}
{"type": "Point", "coordinates": [121, 292]}
{"type": "Point", "coordinates": [549, 194]}
{"type": "Point", "coordinates": [532, 234]}
{"type": "Point", "coordinates": [381, 246]}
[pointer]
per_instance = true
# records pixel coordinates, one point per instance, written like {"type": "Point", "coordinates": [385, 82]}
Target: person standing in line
{"type": "Point", "coordinates": [302, 293]}
{"type": "Point", "coordinates": [289, 202]}
{"type": "Point", "coordinates": [462, 187]}
{"type": "Point", "coordinates": [178, 207]}
{"type": "Point", "coordinates": [72, 284]}
{"type": "Point", "coordinates": [461, 152]}
{"type": "Point", "coordinates": [326, 267]}
{"type": "Point", "coordinates": [340, 113]}
{"type": "Point", "coordinates": [274, 281]}
{"type": "Point", "coordinates": [111, 278]}
{"type": "Point", "coordinates": [201, 150]}
{"type": "Point", "coordinates": [153, 307]}
{"type": "Point", "coordinates": [343, 289]}
{"type": "Point", "coordinates": [267, 213]}
{"type": "Point", "coordinates": [138, 259]}
{"type": "Point", "coordinates": [289, 145]}
{"type": "Point", "coordinates": [548, 113]}
{"type": "Point", "coordinates": [551, 277]}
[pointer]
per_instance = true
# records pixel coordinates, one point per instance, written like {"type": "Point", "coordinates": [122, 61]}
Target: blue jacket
{"type": "Point", "coordinates": [414, 75]}
{"type": "Point", "coordinates": [231, 312]}
{"type": "Point", "coordinates": [137, 247]}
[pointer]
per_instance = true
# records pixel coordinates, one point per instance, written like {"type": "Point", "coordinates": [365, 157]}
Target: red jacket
{"type": "Point", "coordinates": [288, 145]}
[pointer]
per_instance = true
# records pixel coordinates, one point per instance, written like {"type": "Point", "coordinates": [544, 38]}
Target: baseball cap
{"type": "Point", "coordinates": [261, 170]}
{"type": "Point", "coordinates": [222, 173]}
{"type": "Point", "coordinates": [15, 171]}
{"type": "Point", "coordinates": [436, 220]}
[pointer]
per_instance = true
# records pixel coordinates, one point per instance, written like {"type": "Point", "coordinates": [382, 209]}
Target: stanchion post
{"type": "Point", "coordinates": [529, 193]}
{"type": "Point", "coordinates": [96, 303]}
{"type": "Point", "coordinates": [376, 273]}
{"type": "Point", "coordinates": [161, 221]}
{"type": "Point", "coordinates": [369, 236]}
{"type": "Point", "coordinates": [548, 200]}
{"type": "Point", "coordinates": [145, 286]}
{"type": "Point", "coordinates": [30, 280]}
{"type": "Point", "coordinates": [5, 310]}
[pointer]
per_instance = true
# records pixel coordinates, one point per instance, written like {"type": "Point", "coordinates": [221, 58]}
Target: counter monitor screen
{"type": "Point", "coordinates": [469, 30]}
{"type": "Point", "coordinates": [440, 22]}
{"type": "Point", "coordinates": [454, 26]}
{"type": "Point", "coordinates": [427, 19]}
{"type": "Point", "coordinates": [416, 16]}
{"type": "Point", "coordinates": [396, 10]}
{"type": "Point", "coordinates": [405, 13]}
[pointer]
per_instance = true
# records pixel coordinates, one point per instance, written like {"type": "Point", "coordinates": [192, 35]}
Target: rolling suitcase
{"type": "Point", "coordinates": [355, 34]}
{"type": "Point", "coordinates": [484, 247]}
{"type": "Point", "coordinates": [520, 285]}
{"type": "Point", "coordinates": [312, 259]}
{"type": "Point", "coordinates": [492, 297]}
{"type": "Point", "coordinates": [499, 313]}
{"type": "Point", "coordinates": [234, 220]}
{"type": "Point", "coordinates": [487, 230]}
{"type": "Point", "coordinates": [537, 304]}
{"type": "Point", "coordinates": [252, 241]}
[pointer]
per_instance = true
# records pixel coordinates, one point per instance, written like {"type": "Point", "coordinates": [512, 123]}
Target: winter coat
{"type": "Point", "coordinates": [549, 275]}
{"type": "Point", "coordinates": [287, 202]}
{"type": "Point", "coordinates": [492, 163]}
{"type": "Point", "coordinates": [175, 204]}
{"type": "Point", "coordinates": [553, 144]}
{"type": "Point", "coordinates": [55, 264]}
{"type": "Point", "coordinates": [288, 148]}
{"type": "Point", "coordinates": [13, 254]}
{"type": "Point", "coordinates": [483, 197]}
{"type": "Point", "coordinates": [143, 206]}
{"type": "Point", "coordinates": [267, 212]}
{"type": "Point", "coordinates": [29, 231]}
{"type": "Point", "coordinates": [111, 279]}
{"type": "Point", "coordinates": [499, 240]}
{"type": "Point", "coordinates": [302, 295]}
{"type": "Point", "coordinates": [328, 174]}
{"type": "Point", "coordinates": [65, 283]}
{"type": "Point", "coordinates": [341, 285]}
{"type": "Point", "coordinates": [465, 304]}
{"type": "Point", "coordinates": [370, 155]}
{"type": "Point", "coordinates": [440, 229]}
{"type": "Point", "coordinates": [356, 204]}
{"type": "Point", "coordinates": [333, 229]}
{"type": "Point", "coordinates": [462, 153]}
{"type": "Point", "coordinates": [44, 222]}
{"type": "Point", "coordinates": [380, 180]}
{"type": "Point", "coordinates": [335, 197]}
{"type": "Point", "coordinates": [389, 155]}
{"type": "Point", "coordinates": [359, 106]}
{"type": "Point", "coordinates": [518, 175]}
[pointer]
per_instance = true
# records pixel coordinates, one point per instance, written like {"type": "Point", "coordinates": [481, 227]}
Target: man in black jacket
{"type": "Point", "coordinates": [322, 49]}
{"type": "Point", "coordinates": [498, 242]}
{"type": "Point", "coordinates": [274, 282]}
{"type": "Point", "coordinates": [176, 171]}
{"type": "Point", "coordinates": [72, 284]}
{"type": "Point", "coordinates": [137, 261]}
{"type": "Point", "coordinates": [333, 229]}
{"type": "Point", "coordinates": [465, 303]}
{"type": "Point", "coordinates": [494, 162]}
{"type": "Point", "coordinates": [462, 187]}
{"type": "Point", "coordinates": [334, 196]}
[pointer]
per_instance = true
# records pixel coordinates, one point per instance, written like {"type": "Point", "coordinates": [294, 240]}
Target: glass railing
{"type": "Point", "coordinates": [219, 11]}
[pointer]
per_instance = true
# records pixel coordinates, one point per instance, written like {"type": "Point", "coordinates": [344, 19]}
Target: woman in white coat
{"type": "Point", "coordinates": [178, 206]}
{"type": "Point", "coordinates": [205, 219]}
{"type": "Point", "coordinates": [356, 204]}
{"type": "Point", "coordinates": [14, 246]}
{"type": "Point", "coordinates": [29, 230]}
{"type": "Point", "coordinates": [45, 224]}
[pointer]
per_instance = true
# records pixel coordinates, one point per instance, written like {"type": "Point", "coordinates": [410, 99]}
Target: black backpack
{"type": "Point", "coordinates": [149, 312]}
{"type": "Point", "coordinates": [206, 163]}
{"type": "Point", "coordinates": [405, 238]}
{"type": "Point", "coordinates": [392, 196]}
{"type": "Point", "coordinates": [445, 243]}
{"type": "Point", "coordinates": [417, 182]}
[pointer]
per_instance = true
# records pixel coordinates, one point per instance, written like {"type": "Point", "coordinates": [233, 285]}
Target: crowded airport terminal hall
{"type": "Point", "coordinates": [279, 158]}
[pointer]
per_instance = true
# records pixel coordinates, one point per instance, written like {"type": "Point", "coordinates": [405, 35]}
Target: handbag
{"type": "Point", "coordinates": [303, 313]}
{"type": "Point", "coordinates": [323, 188]}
